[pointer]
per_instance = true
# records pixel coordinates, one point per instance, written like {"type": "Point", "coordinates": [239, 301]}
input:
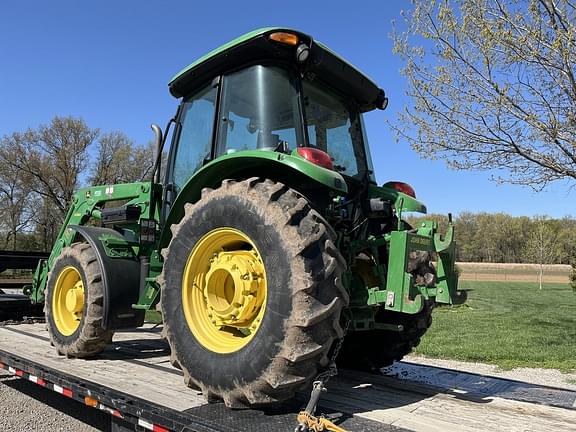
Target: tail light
{"type": "Point", "coordinates": [317, 157]}
{"type": "Point", "coordinates": [401, 187]}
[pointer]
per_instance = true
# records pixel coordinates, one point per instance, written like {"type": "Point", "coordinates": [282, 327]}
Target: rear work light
{"type": "Point", "coordinates": [317, 157]}
{"type": "Point", "coordinates": [401, 187]}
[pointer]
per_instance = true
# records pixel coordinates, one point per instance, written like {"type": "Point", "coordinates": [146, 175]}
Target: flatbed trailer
{"type": "Point", "coordinates": [14, 304]}
{"type": "Point", "coordinates": [119, 382]}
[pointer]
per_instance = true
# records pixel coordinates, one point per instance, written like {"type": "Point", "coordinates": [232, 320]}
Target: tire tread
{"type": "Point", "coordinates": [307, 340]}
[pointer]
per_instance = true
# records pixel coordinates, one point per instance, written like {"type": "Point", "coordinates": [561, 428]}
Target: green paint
{"type": "Point", "coordinates": [384, 284]}
{"type": "Point", "coordinates": [223, 48]}
{"type": "Point", "coordinates": [250, 163]}
{"type": "Point", "coordinates": [245, 38]}
{"type": "Point", "coordinates": [86, 207]}
{"type": "Point", "coordinates": [400, 293]}
{"type": "Point", "coordinates": [402, 202]}
{"type": "Point", "coordinates": [116, 247]}
{"type": "Point", "coordinates": [150, 295]}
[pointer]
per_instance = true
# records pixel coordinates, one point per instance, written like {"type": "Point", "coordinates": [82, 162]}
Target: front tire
{"type": "Point", "coordinates": [74, 303]}
{"type": "Point", "coordinates": [251, 293]}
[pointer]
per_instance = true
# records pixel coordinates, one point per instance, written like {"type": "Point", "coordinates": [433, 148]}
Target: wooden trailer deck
{"type": "Point", "coordinates": [134, 376]}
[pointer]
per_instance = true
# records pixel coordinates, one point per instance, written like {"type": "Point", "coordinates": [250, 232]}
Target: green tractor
{"type": "Point", "coordinates": [268, 247]}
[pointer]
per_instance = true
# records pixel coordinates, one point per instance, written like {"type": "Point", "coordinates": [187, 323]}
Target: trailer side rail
{"type": "Point", "coordinates": [131, 409]}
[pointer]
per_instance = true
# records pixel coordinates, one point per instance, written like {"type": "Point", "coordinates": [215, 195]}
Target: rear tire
{"type": "Point", "coordinates": [304, 295]}
{"type": "Point", "coordinates": [372, 350]}
{"type": "Point", "coordinates": [76, 332]}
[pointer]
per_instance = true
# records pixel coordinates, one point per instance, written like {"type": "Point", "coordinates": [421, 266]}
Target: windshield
{"type": "Point", "coordinates": [334, 128]}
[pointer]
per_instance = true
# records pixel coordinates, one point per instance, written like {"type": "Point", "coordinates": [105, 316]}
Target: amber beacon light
{"type": "Point", "coordinates": [285, 38]}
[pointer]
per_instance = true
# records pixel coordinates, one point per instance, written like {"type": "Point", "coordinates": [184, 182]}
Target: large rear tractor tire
{"type": "Point", "coordinates": [74, 303]}
{"type": "Point", "coordinates": [372, 350]}
{"type": "Point", "coordinates": [251, 293]}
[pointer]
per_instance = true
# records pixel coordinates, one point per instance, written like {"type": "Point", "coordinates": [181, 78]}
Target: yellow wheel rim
{"type": "Point", "coordinates": [224, 290]}
{"type": "Point", "coordinates": [68, 301]}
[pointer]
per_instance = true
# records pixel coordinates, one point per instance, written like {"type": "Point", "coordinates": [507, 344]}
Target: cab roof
{"type": "Point", "coordinates": [257, 47]}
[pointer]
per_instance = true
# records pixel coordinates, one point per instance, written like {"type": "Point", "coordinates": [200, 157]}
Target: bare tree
{"type": "Point", "coordinates": [16, 204]}
{"type": "Point", "coordinates": [47, 224]}
{"type": "Point", "coordinates": [493, 86]}
{"type": "Point", "coordinates": [119, 160]}
{"type": "Point", "coordinates": [52, 158]}
{"type": "Point", "coordinates": [541, 246]}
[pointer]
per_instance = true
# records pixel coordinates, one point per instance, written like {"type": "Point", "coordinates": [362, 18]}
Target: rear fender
{"type": "Point", "coordinates": [120, 276]}
{"type": "Point", "coordinates": [291, 170]}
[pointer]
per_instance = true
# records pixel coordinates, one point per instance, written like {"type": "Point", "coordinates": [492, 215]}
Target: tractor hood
{"type": "Point", "coordinates": [257, 47]}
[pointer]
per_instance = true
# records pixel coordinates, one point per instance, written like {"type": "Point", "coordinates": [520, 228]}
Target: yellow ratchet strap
{"type": "Point", "coordinates": [317, 424]}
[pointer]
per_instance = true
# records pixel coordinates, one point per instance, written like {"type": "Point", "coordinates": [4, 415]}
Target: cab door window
{"type": "Point", "coordinates": [195, 140]}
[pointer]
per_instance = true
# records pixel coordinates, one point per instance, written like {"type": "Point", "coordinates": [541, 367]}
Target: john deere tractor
{"type": "Point", "coordinates": [266, 242]}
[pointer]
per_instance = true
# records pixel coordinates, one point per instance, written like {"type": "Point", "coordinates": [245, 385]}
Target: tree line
{"type": "Point", "coordinates": [501, 238]}
{"type": "Point", "coordinates": [41, 169]}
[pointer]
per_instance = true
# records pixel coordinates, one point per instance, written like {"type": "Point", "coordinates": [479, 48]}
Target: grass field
{"type": "Point", "coordinates": [510, 324]}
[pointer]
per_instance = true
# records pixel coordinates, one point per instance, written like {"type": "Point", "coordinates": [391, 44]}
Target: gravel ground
{"type": "Point", "coordinates": [544, 377]}
{"type": "Point", "coordinates": [24, 406]}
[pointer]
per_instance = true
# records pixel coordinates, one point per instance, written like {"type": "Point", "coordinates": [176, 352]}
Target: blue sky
{"type": "Point", "coordinates": [109, 62]}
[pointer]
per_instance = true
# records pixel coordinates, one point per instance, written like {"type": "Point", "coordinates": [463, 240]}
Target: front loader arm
{"type": "Point", "coordinates": [86, 206]}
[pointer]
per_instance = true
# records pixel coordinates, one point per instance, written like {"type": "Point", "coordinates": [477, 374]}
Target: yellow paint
{"type": "Point", "coordinates": [68, 301]}
{"type": "Point", "coordinates": [224, 290]}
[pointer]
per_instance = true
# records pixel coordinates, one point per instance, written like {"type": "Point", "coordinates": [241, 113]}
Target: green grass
{"type": "Point", "coordinates": [509, 324]}
{"type": "Point", "coordinates": [153, 317]}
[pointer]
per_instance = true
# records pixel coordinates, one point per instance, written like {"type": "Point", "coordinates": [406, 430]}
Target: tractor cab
{"type": "Point", "coordinates": [273, 90]}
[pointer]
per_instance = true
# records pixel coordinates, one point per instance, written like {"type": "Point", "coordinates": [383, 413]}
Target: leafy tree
{"type": "Point", "coordinates": [498, 237]}
{"type": "Point", "coordinates": [567, 240]}
{"type": "Point", "coordinates": [493, 86]}
{"type": "Point", "coordinates": [573, 276]}
{"type": "Point", "coordinates": [465, 227]}
{"type": "Point", "coordinates": [47, 224]}
{"type": "Point", "coordinates": [540, 247]}
{"type": "Point", "coordinates": [42, 168]}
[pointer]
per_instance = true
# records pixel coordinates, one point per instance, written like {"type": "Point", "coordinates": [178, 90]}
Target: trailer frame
{"type": "Point", "coordinates": [117, 404]}
{"type": "Point", "coordinates": [115, 383]}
